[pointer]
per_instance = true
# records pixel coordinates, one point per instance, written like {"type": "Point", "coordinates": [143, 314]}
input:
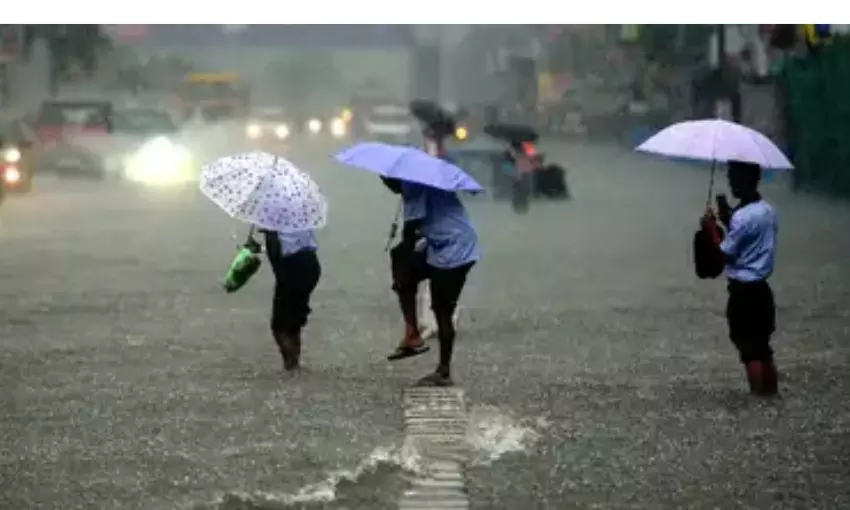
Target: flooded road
{"type": "Point", "coordinates": [596, 368]}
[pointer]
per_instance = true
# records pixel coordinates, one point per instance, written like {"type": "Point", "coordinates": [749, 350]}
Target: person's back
{"type": "Point", "coordinates": [451, 238]}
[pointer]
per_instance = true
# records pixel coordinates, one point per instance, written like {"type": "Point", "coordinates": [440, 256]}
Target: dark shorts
{"type": "Point", "coordinates": [296, 276]}
{"type": "Point", "coordinates": [751, 314]}
{"type": "Point", "coordinates": [446, 284]}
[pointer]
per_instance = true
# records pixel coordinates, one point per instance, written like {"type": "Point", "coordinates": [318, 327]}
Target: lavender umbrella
{"type": "Point", "coordinates": [408, 164]}
{"type": "Point", "coordinates": [716, 140]}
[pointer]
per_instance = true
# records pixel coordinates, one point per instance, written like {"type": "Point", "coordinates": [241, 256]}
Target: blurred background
{"type": "Point", "coordinates": [130, 380]}
{"type": "Point", "coordinates": [615, 82]}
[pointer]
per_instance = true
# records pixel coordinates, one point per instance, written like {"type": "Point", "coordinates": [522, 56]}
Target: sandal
{"type": "Point", "coordinates": [408, 351]}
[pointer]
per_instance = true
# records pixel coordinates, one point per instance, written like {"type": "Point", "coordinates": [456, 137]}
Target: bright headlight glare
{"type": "Point", "coordinates": [12, 175]}
{"type": "Point", "coordinates": [338, 127]}
{"type": "Point", "coordinates": [12, 155]}
{"type": "Point", "coordinates": [314, 125]}
{"type": "Point", "coordinates": [253, 130]}
{"type": "Point", "coordinates": [281, 131]}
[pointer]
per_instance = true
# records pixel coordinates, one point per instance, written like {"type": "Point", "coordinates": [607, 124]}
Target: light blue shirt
{"type": "Point", "coordinates": [293, 243]}
{"type": "Point", "coordinates": [451, 240]}
{"type": "Point", "coordinates": [750, 243]}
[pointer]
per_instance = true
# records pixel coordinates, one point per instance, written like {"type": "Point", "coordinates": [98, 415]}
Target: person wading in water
{"type": "Point", "coordinates": [748, 251]}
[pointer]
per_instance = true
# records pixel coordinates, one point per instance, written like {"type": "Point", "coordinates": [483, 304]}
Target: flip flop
{"type": "Point", "coordinates": [405, 351]}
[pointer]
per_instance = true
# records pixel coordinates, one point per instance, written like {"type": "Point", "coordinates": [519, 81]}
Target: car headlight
{"type": "Point", "coordinates": [314, 125]}
{"type": "Point", "coordinates": [338, 127]}
{"type": "Point", "coordinates": [159, 161]}
{"type": "Point", "coordinates": [12, 155]}
{"type": "Point", "coordinates": [461, 133]}
{"type": "Point", "coordinates": [12, 175]}
{"type": "Point", "coordinates": [281, 131]}
{"type": "Point", "coordinates": [253, 130]}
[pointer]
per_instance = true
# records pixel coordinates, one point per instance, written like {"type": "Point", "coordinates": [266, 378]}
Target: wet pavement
{"type": "Point", "coordinates": [131, 381]}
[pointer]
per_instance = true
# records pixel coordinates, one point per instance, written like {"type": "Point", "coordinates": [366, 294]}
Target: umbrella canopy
{"type": "Point", "coordinates": [265, 190]}
{"type": "Point", "coordinates": [408, 164]}
{"type": "Point", "coordinates": [716, 140]}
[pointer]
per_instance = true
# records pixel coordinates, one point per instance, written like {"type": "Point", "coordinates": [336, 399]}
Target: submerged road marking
{"type": "Point", "coordinates": [436, 423]}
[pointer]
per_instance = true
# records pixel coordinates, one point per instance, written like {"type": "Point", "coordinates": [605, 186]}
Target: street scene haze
{"type": "Point", "coordinates": [424, 267]}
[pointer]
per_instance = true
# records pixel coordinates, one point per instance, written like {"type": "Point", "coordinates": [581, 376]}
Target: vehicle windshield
{"type": "Point", "coordinates": [74, 114]}
{"type": "Point", "coordinates": [143, 122]}
{"type": "Point", "coordinates": [205, 90]}
{"type": "Point", "coordinates": [390, 112]}
{"type": "Point", "coordinates": [269, 114]}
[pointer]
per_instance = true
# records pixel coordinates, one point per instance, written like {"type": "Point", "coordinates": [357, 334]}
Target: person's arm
{"type": "Point", "coordinates": [273, 248]}
{"type": "Point", "coordinates": [732, 245]}
{"type": "Point", "coordinates": [415, 211]}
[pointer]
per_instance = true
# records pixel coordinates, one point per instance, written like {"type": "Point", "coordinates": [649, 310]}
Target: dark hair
{"type": "Point", "coordinates": [750, 172]}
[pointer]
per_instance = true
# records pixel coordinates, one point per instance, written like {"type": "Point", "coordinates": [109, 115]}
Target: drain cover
{"type": "Point", "coordinates": [435, 421]}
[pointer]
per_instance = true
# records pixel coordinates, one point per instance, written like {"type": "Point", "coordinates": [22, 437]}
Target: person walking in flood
{"type": "Point", "coordinates": [748, 251]}
{"type": "Point", "coordinates": [434, 145]}
{"type": "Point", "coordinates": [296, 267]}
{"type": "Point", "coordinates": [448, 250]}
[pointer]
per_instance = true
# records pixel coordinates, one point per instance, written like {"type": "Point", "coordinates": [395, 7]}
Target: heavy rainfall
{"type": "Point", "coordinates": [592, 369]}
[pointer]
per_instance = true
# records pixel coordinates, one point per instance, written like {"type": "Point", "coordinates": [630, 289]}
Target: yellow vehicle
{"type": "Point", "coordinates": [212, 96]}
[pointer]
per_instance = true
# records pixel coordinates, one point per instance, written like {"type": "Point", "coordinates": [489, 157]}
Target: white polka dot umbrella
{"type": "Point", "coordinates": [265, 190]}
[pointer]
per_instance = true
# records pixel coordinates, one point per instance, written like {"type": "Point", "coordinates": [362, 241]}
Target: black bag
{"type": "Point", "coordinates": [708, 263]}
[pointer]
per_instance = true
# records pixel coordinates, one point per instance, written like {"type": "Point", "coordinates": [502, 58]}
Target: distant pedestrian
{"type": "Point", "coordinates": [748, 251]}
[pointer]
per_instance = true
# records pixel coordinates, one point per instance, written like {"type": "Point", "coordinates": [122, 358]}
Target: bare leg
{"type": "Point", "coordinates": [412, 343]}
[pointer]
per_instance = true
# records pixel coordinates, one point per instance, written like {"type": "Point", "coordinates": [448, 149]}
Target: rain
{"type": "Point", "coordinates": [592, 368]}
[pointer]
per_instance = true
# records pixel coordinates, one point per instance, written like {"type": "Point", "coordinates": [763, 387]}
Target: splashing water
{"type": "Point", "coordinates": [492, 434]}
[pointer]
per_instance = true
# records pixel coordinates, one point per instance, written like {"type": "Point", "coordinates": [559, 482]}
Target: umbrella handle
{"type": "Point", "coordinates": [711, 184]}
{"type": "Point", "coordinates": [394, 225]}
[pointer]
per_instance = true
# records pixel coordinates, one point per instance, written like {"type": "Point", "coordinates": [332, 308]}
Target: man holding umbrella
{"type": "Point", "coordinates": [747, 251]}
{"type": "Point", "coordinates": [433, 212]}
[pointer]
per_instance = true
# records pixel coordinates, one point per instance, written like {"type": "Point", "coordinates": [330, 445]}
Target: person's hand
{"type": "Point", "coordinates": [724, 210]}
{"type": "Point", "coordinates": [708, 220]}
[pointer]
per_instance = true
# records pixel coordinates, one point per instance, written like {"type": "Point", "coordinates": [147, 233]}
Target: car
{"type": "Point", "coordinates": [64, 130]}
{"type": "Point", "coordinates": [322, 123]}
{"type": "Point", "coordinates": [17, 158]}
{"type": "Point", "coordinates": [268, 126]}
{"type": "Point", "coordinates": [389, 122]}
{"type": "Point", "coordinates": [146, 147]}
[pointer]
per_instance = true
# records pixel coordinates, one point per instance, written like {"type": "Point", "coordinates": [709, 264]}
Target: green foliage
{"type": "Point", "coordinates": [818, 118]}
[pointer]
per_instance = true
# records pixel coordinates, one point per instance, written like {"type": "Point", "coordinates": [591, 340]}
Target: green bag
{"type": "Point", "coordinates": [246, 262]}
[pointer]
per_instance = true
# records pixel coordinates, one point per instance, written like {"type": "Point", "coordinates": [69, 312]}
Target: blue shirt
{"type": "Point", "coordinates": [295, 242]}
{"type": "Point", "coordinates": [750, 243]}
{"type": "Point", "coordinates": [451, 240]}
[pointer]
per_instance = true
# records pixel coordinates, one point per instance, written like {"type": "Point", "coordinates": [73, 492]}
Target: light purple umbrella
{"type": "Point", "coordinates": [716, 140]}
